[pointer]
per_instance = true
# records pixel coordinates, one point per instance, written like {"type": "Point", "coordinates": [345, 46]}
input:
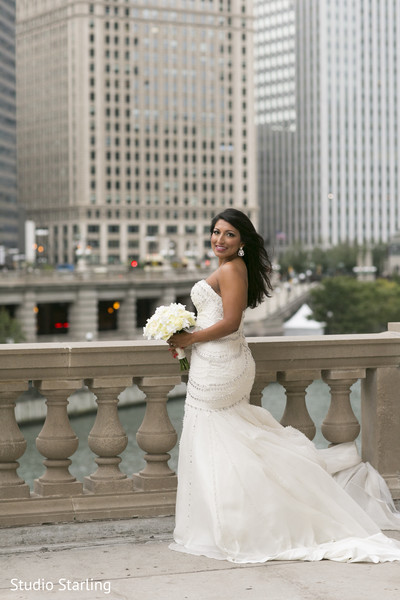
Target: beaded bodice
{"type": "Point", "coordinates": [208, 304]}
{"type": "Point", "coordinates": [221, 370]}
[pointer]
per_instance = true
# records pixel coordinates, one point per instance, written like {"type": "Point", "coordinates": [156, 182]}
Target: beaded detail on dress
{"type": "Point", "coordinates": [208, 304]}
{"type": "Point", "coordinates": [211, 385]}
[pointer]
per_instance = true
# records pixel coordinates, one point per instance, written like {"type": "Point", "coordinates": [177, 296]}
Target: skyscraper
{"type": "Point", "coordinates": [8, 161]}
{"type": "Point", "coordinates": [276, 115]}
{"type": "Point", "coordinates": [329, 156]}
{"type": "Point", "coordinates": [136, 123]}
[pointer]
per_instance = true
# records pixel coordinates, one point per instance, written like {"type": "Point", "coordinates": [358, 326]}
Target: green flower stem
{"type": "Point", "coordinates": [184, 364]}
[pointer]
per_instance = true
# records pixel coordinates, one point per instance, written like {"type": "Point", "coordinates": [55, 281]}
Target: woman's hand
{"type": "Point", "coordinates": [181, 340]}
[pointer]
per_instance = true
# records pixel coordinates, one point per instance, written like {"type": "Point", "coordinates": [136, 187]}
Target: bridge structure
{"type": "Point", "coordinates": [115, 305]}
{"type": "Point", "coordinates": [113, 527]}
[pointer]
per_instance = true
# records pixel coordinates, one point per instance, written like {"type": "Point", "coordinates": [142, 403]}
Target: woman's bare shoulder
{"type": "Point", "coordinates": [233, 268]}
{"type": "Point", "coordinates": [231, 273]}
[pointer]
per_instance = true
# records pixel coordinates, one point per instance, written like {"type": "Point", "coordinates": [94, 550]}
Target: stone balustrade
{"type": "Point", "coordinates": [107, 368]}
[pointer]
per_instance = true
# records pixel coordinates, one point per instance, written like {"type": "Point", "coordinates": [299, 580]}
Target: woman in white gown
{"type": "Point", "coordinates": [249, 489]}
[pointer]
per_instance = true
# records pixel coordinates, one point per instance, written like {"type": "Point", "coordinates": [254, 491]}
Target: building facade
{"type": "Point", "coordinates": [275, 61]}
{"type": "Point", "coordinates": [9, 237]}
{"type": "Point", "coordinates": [136, 124]}
{"type": "Point", "coordinates": [329, 149]}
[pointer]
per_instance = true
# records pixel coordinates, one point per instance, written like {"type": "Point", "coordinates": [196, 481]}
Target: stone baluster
{"type": "Point", "coordinates": [296, 413]}
{"type": "Point", "coordinates": [12, 442]}
{"type": "Point", "coordinates": [256, 391]}
{"type": "Point", "coordinates": [340, 424]}
{"type": "Point", "coordinates": [260, 383]}
{"type": "Point", "coordinates": [107, 438]}
{"type": "Point", "coordinates": [57, 441]}
{"type": "Point", "coordinates": [156, 435]}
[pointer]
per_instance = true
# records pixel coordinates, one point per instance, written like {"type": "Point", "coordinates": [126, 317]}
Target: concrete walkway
{"type": "Point", "coordinates": [130, 560]}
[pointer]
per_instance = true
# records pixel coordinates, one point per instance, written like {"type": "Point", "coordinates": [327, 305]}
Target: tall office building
{"type": "Point", "coordinates": [136, 123]}
{"type": "Point", "coordinates": [8, 160]}
{"type": "Point", "coordinates": [328, 114]}
{"type": "Point", "coordinates": [275, 115]}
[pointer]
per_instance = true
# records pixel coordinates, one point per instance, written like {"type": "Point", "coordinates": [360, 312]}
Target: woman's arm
{"type": "Point", "coordinates": [232, 282]}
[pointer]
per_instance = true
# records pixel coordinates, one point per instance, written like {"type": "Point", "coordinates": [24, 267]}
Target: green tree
{"type": "Point", "coordinates": [347, 305]}
{"type": "Point", "coordinates": [337, 260]}
{"type": "Point", "coordinates": [379, 257]}
{"type": "Point", "coordinates": [318, 260]}
{"type": "Point", "coordinates": [10, 329]}
{"type": "Point", "coordinates": [341, 259]}
{"type": "Point", "coordinates": [294, 258]}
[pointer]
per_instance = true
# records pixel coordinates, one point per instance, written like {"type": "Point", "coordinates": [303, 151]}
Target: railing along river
{"type": "Point", "coordinates": [107, 368]}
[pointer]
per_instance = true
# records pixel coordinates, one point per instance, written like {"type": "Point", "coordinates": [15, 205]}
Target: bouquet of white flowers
{"type": "Point", "coordinates": [166, 321]}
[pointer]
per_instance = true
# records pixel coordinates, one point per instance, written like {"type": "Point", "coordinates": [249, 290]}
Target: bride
{"type": "Point", "coordinates": [249, 489]}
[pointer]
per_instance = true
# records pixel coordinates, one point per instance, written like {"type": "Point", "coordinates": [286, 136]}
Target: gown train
{"type": "Point", "coordinates": [251, 490]}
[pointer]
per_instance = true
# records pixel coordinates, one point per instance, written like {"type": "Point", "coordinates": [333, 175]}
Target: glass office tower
{"type": "Point", "coordinates": [328, 115]}
{"type": "Point", "coordinates": [8, 170]}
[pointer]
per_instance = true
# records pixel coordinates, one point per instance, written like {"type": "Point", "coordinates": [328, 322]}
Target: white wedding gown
{"type": "Point", "coordinates": [251, 490]}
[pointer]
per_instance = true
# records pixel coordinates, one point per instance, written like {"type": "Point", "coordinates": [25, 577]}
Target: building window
{"type": "Point", "coordinates": [152, 230]}
{"type": "Point", "coordinates": [113, 259]}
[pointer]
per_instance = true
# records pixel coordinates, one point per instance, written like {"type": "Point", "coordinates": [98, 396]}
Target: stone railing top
{"type": "Point", "coordinates": [327, 351]}
{"type": "Point", "coordinates": [142, 358]}
{"type": "Point", "coordinates": [126, 276]}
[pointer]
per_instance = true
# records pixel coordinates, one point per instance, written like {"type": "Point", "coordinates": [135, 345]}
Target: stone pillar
{"type": "Point", "coordinates": [27, 317]}
{"type": "Point", "coordinates": [57, 441]}
{"type": "Point", "coordinates": [168, 296]}
{"type": "Point", "coordinates": [340, 424]}
{"type": "Point", "coordinates": [380, 412]}
{"type": "Point", "coordinates": [123, 243]}
{"type": "Point", "coordinates": [83, 315]}
{"type": "Point", "coordinates": [12, 442]}
{"type": "Point", "coordinates": [127, 315]}
{"type": "Point", "coordinates": [107, 438]}
{"type": "Point", "coordinates": [156, 435]}
{"type": "Point", "coordinates": [296, 413]}
{"type": "Point", "coordinates": [103, 243]}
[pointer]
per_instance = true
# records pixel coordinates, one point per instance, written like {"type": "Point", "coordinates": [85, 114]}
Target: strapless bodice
{"type": "Point", "coordinates": [208, 304]}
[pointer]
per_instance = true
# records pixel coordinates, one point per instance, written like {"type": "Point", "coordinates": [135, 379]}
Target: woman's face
{"type": "Point", "coordinates": [225, 240]}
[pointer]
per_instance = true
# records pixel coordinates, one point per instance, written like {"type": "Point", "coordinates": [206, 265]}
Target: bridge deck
{"type": "Point", "coordinates": [132, 557]}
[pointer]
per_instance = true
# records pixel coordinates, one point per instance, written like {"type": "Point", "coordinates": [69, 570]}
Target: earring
{"type": "Point", "coordinates": [240, 252]}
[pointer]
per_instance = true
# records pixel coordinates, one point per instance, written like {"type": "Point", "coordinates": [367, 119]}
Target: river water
{"type": "Point", "coordinates": [31, 463]}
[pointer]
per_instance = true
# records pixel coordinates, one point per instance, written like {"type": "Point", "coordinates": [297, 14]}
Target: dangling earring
{"type": "Point", "coordinates": [240, 252]}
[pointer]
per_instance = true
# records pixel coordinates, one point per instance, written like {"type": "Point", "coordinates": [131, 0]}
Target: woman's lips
{"type": "Point", "coordinates": [220, 248]}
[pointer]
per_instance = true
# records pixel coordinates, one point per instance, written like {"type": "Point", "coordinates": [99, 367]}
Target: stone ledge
{"type": "Point", "coordinates": [62, 536]}
{"type": "Point", "coordinates": [86, 507]}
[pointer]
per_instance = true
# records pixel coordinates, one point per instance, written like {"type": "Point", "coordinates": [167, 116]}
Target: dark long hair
{"type": "Point", "coordinates": [258, 265]}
